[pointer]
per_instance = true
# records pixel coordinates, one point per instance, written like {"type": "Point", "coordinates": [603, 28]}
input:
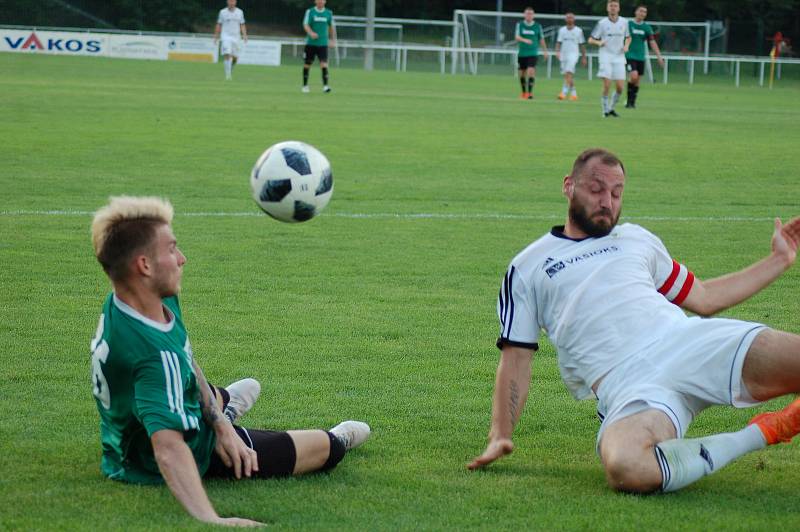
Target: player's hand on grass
{"type": "Point", "coordinates": [236, 521]}
{"type": "Point", "coordinates": [233, 452]}
{"type": "Point", "coordinates": [786, 240]}
{"type": "Point", "coordinates": [496, 449]}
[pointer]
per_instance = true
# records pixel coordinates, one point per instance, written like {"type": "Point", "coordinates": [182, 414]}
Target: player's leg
{"type": "Point", "coordinates": [523, 85]}
{"type": "Point", "coordinates": [627, 450]}
{"type": "Point", "coordinates": [531, 75]}
{"type": "Point", "coordinates": [228, 60]}
{"type": "Point", "coordinates": [604, 98]}
{"type": "Point", "coordinates": [323, 65]}
{"type": "Point", "coordinates": [618, 75]}
{"type": "Point", "coordinates": [308, 60]}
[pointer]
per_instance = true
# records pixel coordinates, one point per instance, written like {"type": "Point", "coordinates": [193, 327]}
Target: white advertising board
{"type": "Point", "coordinates": [261, 53]}
{"type": "Point", "coordinates": [138, 47]}
{"type": "Point", "coordinates": [53, 42]}
{"type": "Point", "coordinates": [192, 49]}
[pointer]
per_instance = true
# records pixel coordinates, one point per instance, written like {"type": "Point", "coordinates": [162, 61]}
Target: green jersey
{"type": "Point", "coordinates": [319, 22]}
{"type": "Point", "coordinates": [532, 32]}
{"type": "Point", "coordinates": [143, 381]}
{"type": "Point", "coordinates": [640, 35]}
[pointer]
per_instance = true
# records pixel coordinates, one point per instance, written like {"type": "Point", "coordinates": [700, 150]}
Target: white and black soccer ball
{"type": "Point", "coordinates": [292, 181]}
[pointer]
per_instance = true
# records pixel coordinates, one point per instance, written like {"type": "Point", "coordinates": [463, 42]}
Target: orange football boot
{"type": "Point", "coordinates": [573, 98]}
{"type": "Point", "coordinates": [780, 426]}
{"type": "Point", "coordinates": [562, 96]}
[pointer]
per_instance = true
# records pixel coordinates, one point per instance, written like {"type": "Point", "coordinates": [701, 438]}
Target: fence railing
{"type": "Point", "coordinates": [456, 56]}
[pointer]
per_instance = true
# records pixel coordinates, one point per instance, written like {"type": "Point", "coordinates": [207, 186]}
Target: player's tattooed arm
{"type": "Point", "coordinates": [208, 402]}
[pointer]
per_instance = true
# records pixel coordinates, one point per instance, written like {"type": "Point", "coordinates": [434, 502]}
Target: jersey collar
{"type": "Point", "coordinates": [135, 314]}
{"type": "Point", "coordinates": [558, 232]}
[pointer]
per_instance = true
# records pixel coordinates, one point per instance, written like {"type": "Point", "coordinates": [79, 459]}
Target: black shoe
{"type": "Point", "coordinates": [605, 115]}
{"type": "Point", "coordinates": [629, 105]}
{"type": "Point", "coordinates": [613, 113]}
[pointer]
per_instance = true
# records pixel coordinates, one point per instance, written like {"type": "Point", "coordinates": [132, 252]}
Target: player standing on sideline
{"type": "Point", "coordinates": [609, 297]}
{"type": "Point", "coordinates": [230, 25]}
{"type": "Point", "coordinates": [530, 37]}
{"type": "Point", "coordinates": [640, 32]}
{"type": "Point", "coordinates": [612, 37]}
{"type": "Point", "coordinates": [569, 45]}
{"type": "Point", "coordinates": [316, 23]}
{"type": "Point", "coordinates": [160, 421]}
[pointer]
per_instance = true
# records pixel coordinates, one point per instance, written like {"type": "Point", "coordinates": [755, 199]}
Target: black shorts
{"type": "Point", "coordinates": [315, 51]}
{"type": "Point", "coordinates": [527, 62]}
{"type": "Point", "coordinates": [276, 454]}
{"type": "Point", "coordinates": [635, 64]}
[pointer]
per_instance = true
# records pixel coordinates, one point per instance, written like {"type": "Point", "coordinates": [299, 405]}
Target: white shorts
{"type": "Point", "coordinates": [231, 46]}
{"type": "Point", "coordinates": [611, 70]}
{"type": "Point", "coordinates": [568, 63]}
{"type": "Point", "coordinates": [697, 366]}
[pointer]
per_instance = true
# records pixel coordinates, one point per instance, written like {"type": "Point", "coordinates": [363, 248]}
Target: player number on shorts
{"type": "Point", "coordinates": [100, 355]}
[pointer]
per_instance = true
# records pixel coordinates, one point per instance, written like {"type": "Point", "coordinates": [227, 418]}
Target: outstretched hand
{"type": "Point", "coordinates": [236, 521]}
{"type": "Point", "coordinates": [786, 239]}
{"type": "Point", "coordinates": [496, 449]}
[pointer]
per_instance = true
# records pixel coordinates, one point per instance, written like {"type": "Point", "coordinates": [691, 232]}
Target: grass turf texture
{"type": "Point", "coordinates": [385, 317]}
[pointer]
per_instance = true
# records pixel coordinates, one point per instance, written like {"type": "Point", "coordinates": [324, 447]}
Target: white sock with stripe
{"type": "Point", "coordinates": [685, 461]}
{"type": "Point", "coordinates": [228, 67]}
{"type": "Point", "coordinates": [614, 100]}
{"type": "Point", "coordinates": [604, 102]}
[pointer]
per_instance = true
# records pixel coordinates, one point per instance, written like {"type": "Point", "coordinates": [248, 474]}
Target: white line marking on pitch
{"type": "Point", "coordinates": [414, 216]}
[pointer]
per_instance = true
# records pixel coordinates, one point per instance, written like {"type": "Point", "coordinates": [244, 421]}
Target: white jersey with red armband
{"type": "Point", "coordinates": [599, 300]}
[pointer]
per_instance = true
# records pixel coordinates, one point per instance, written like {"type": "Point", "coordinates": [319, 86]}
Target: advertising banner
{"type": "Point", "coordinates": [261, 53]}
{"type": "Point", "coordinates": [192, 49]}
{"type": "Point", "coordinates": [53, 42]}
{"type": "Point", "coordinates": [138, 47]}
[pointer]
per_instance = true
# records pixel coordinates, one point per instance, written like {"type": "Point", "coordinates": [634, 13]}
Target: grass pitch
{"type": "Point", "coordinates": [382, 309]}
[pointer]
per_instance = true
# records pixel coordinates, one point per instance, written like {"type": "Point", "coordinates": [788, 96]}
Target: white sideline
{"type": "Point", "coordinates": [413, 216]}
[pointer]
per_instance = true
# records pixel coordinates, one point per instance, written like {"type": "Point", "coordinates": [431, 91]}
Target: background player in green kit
{"type": "Point", "coordinates": [317, 22]}
{"type": "Point", "coordinates": [529, 36]}
{"type": "Point", "coordinates": [641, 32]}
{"type": "Point", "coordinates": [160, 420]}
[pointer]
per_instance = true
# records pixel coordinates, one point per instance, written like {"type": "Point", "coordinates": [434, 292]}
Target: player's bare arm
{"type": "Point", "coordinates": [230, 448]}
{"type": "Point", "coordinates": [217, 31]}
{"type": "Point", "coordinates": [243, 29]}
{"type": "Point", "coordinates": [557, 50]}
{"type": "Point", "coordinates": [597, 42]}
{"type": "Point", "coordinates": [512, 384]}
{"type": "Point", "coordinates": [311, 33]}
{"type": "Point", "coordinates": [627, 45]}
{"type": "Point", "coordinates": [657, 51]}
{"type": "Point", "coordinates": [543, 46]}
{"type": "Point", "coordinates": [714, 295]}
{"type": "Point", "coordinates": [177, 466]}
{"type": "Point", "coordinates": [333, 34]}
{"type": "Point", "coordinates": [583, 55]}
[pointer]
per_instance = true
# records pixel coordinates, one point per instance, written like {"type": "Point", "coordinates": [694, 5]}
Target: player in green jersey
{"type": "Point", "coordinates": [530, 37]}
{"type": "Point", "coordinates": [318, 24]}
{"type": "Point", "coordinates": [160, 420]}
{"type": "Point", "coordinates": [641, 32]}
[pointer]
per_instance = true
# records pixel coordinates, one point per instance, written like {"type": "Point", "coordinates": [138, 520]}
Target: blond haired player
{"type": "Point", "coordinates": [612, 36]}
{"type": "Point", "coordinates": [160, 420]}
{"type": "Point", "coordinates": [610, 298]}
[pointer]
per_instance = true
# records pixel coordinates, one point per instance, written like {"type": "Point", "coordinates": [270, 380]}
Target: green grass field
{"type": "Point", "coordinates": [382, 309]}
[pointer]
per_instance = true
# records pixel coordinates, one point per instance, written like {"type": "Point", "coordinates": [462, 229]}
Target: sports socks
{"type": "Point", "coordinates": [325, 76]}
{"type": "Point", "coordinates": [305, 77]}
{"type": "Point", "coordinates": [522, 83]}
{"type": "Point", "coordinates": [336, 453]}
{"type": "Point", "coordinates": [684, 461]}
{"type": "Point", "coordinates": [228, 68]}
{"type": "Point", "coordinates": [531, 83]}
{"type": "Point", "coordinates": [633, 91]}
{"type": "Point", "coordinates": [604, 103]}
{"type": "Point", "coordinates": [614, 100]}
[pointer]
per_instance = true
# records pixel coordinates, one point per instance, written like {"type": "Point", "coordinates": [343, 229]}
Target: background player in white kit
{"type": "Point", "coordinates": [611, 35]}
{"type": "Point", "coordinates": [231, 28]}
{"type": "Point", "coordinates": [569, 46]}
{"type": "Point", "coordinates": [608, 297]}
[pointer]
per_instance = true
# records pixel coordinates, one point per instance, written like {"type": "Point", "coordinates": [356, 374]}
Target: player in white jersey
{"type": "Point", "coordinates": [231, 29]}
{"type": "Point", "coordinates": [609, 298]}
{"type": "Point", "coordinates": [613, 38]}
{"type": "Point", "coordinates": [569, 47]}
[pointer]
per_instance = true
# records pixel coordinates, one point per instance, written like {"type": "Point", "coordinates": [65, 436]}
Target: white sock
{"type": "Point", "coordinates": [573, 91]}
{"type": "Point", "coordinates": [604, 101]}
{"type": "Point", "coordinates": [228, 67]}
{"type": "Point", "coordinates": [564, 89]}
{"type": "Point", "coordinates": [614, 100]}
{"type": "Point", "coordinates": [684, 461]}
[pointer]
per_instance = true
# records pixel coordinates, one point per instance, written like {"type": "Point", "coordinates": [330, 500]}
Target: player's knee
{"type": "Point", "coordinates": [626, 472]}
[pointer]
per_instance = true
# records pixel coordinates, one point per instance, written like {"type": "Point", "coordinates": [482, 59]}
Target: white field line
{"type": "Point", "coordinates": [411, 216]}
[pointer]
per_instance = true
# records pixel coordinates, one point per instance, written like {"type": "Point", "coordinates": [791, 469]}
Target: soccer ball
{"type": "Point", "coordinates": [292, 181]}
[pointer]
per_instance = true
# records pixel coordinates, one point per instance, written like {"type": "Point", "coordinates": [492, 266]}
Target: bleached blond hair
{"type": "Point", "coordinates": [124, 227]}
